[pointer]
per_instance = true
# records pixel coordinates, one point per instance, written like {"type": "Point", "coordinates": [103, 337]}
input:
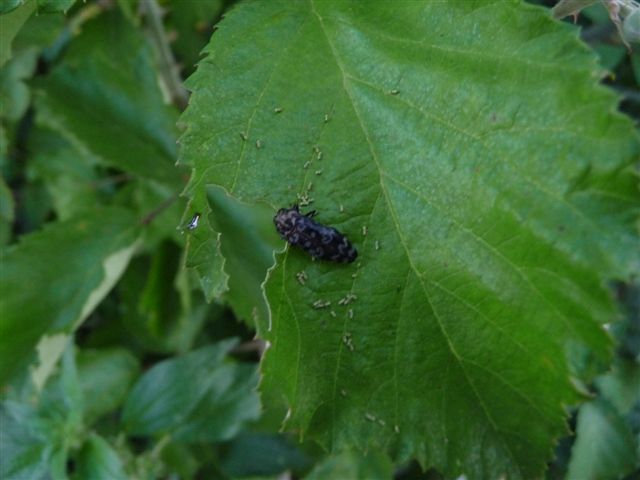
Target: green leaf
{"type": "Point", "coordinates": [14, 91]}
{"type": "Point", "coordinates": [631, 27]}
{"type": "Point", "coordinates": [53, 279]}
{"type": "Point", "coordinates": [69, 175]}
{"type": "Point", "coordinates": [565, 8]}
{"type": "Point", "coordinates": [10, 25]}
{"type": "Point", "coordinates": [262, 454]}
{"type": "Point", "coordinates": [610, 55]}
{"type": "Point", "coordinates": [196, 397]}
{"type": "Point", "coordinates": [25, 450]}
{"type": "Point", "coordinates": [605, 447]}
{"type": "Point", "coordinates": [205, 258]}
{"type": "Point", "coordinates": [45, 32]}
{"type": "Point", "coordinates": [98, 461]}
{"type": "Point", "coordinates": [373, 466]}
{"type": "Point", "coordinates": [473, 145]}
{"type": "Point", "coordinates": [37, 435]}
{"type": "Point", "coordinates": [635, 63]}
{"type": "Point", "coordinates": [247, 246]}
{"type": "Point", "coordinates": [118, 112]}
{"type": "Point", "coordinates": [179, 460]}
{"type": "Point", "coordinates": [54, 6]}
{"type": "Point", "coordinates": [105, 377]}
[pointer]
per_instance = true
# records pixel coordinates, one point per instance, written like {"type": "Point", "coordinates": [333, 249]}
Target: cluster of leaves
{"type": "Point", "coordinates": [466, 148]}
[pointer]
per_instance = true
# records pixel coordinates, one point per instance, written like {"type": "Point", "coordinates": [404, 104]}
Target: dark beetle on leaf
{"type": "Point", "coordinates": [319, 241]}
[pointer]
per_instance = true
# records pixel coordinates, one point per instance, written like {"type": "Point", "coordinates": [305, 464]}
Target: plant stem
{"type": "Point", "coordinates": [149, 217]}
{"type": "Point", "coordinates": [169, 70]}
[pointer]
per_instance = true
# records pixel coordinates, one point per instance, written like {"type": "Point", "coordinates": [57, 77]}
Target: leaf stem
{"type": "Point", "coordinates": [148, 218]}
{"type": "Point", "coordinates": [169, 70]}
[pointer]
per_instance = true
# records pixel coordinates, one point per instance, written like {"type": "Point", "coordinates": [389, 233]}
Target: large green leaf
{"type": "Point", "coordinates": [117, 111]}
{"type": "Point", "coordinates": [471, 143]}
{"type": "Point", "coordinates": [53, 279]}
{"type": "Point", "coordinates": [195, 397]}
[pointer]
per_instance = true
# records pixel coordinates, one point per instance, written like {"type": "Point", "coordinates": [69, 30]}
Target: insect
{"type": "Point", "coordinates": [319, 241]}
{"type": "Point", "coordinates": [193, 224]}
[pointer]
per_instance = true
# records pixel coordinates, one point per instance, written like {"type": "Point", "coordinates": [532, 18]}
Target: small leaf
{"type": "Point", "coordinates": [631, 27]}
{"type": "Point", "coordinates": [53, 279]}
{"type": "Point", "coordinates": [564, 8]}
{"type": "Point", "coordinates": [374, 466]}
{"type": "Point", "coordinates": [37, 435]}
{"type": "Point", "coordinates": [99, 461]}
{"type": "Point", "coordinates": [14, 91]}
{"type": "Point", "coordinates": [105, 377]}
{"type": "Point", "coordinates": [11, 23]}
{"type": "Point", "coordinates": [24, 446]}
{"type": "Point", "coordinates": [196, 397]}
{"type": "Point", "coordinates": [604, 447]}
{"type": "Point", "coordinates": [253, 454]}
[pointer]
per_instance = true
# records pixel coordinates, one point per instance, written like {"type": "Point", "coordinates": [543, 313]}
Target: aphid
{"type": "Point", "coordinates": [318, 172]}
{"type": "Point", "coordinates": [278, 109]}
{"type": "Point", "coordinates": [258, 143]}
{"type": "Point", "coordinates": [301, 277]}
{"type": "Point", "coordinates": [394, 91]}
{"type": "Point", "coordinates": [243, 136]}
{"type": "Point", "coordinates": [320, 241]}
{"type": "Point", "coordinates": [350, 297]}
{"type": "Point", "coordinates": [305, 200]}
{"type": "Point", "coordinates": [321, 303]}
{"type": "Point", "coordinates": [348, 341]}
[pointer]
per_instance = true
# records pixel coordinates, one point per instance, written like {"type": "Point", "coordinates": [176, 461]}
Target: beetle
{"type": "Point", "coordinates": [320, 241]}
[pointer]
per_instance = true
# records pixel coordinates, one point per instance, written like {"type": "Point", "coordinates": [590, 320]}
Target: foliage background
{"type": "Point", "coordinates": [127, 346]}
